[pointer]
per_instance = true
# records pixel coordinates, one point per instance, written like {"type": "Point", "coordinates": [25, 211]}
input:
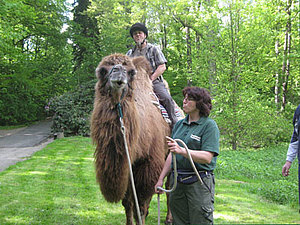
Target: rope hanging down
{"type": "Point", "coordinates": [119, 108]}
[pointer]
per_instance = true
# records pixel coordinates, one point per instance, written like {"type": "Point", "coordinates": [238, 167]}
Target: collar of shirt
{"type": "Point", "coordinates": [198, 122]}
{"type": "Point", "coordinates": [148, 45]}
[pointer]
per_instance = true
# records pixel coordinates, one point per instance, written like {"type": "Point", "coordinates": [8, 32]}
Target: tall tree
{"type": "Point", "coordinates": [286, 54]}
{"type": "Point", "coordinates": [85, 38]}
{"type": "Point", "coordinates": [34, 58]}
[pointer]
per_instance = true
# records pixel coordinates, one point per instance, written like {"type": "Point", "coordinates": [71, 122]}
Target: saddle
{"type": "Point", "coordinates": [164, 112]}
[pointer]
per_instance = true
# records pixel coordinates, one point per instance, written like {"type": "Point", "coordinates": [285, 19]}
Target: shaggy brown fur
{"type": "Point", "coordinates": [145, 133]}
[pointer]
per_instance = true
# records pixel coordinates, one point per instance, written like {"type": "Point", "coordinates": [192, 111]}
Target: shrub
{"type": "Point", "coordinates": [250, 121]}
{"type": "Point", "coordinates": [72, 110]}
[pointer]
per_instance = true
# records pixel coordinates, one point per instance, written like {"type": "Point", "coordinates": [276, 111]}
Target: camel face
{"type": "Point", "coordinates": [116, 79]}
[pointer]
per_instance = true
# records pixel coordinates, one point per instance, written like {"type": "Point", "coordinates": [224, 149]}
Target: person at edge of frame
{"type": "Point", "coordinates": [293, 150]}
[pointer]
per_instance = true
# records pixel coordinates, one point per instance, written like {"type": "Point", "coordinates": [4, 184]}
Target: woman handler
{"type": "Point", "coordinates": [193, 202]}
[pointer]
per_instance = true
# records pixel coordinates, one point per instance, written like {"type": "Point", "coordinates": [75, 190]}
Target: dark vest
{"type": "Point", "coordinates": [296, 123]}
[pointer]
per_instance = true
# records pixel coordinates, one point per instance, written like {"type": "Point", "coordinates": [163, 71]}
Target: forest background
{"type": "Point", "coordinates": [246, 53]}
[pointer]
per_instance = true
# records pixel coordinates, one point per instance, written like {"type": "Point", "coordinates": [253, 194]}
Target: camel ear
{"type": "Point", "coordinates": [101, 72]}
{"type": "Point", "coordinates": [131, 74]}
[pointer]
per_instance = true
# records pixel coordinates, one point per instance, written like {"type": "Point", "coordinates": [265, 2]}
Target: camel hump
{"type": "Point", "coordinates": [115, 59]}
{"type": "Point", "coordinates": [141, 63]}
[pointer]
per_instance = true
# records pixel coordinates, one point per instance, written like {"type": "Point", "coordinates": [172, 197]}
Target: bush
{"type": "Point", "coordinates": [250, 121]}
{"type": "Point", "coordinates": [72, 111]}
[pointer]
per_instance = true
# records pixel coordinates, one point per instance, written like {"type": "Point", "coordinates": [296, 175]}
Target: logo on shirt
{"type": "Point", "coordinates": [195, 137]}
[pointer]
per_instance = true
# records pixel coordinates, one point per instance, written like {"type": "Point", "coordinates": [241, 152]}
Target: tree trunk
{"type": "Point", "coordinates": [212, 62]}
{"type": "Point", "coordinates": [164, 40]}
{"type": "Point", "coordinates": [234, 28]}
{"type": "Point", "coordinates": [286, 62]}
{"type": "Point", "coordinates": [189, 56]}
{"type": "Point", "coordinates": [277, 76]}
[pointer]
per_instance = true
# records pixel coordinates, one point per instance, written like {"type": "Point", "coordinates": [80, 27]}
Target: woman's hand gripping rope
{"type": "Point", "coordinates": [176, 149]}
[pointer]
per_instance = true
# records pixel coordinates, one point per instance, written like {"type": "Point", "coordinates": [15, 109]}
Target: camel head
{"type": "Point", "coordinates": [115, 75]}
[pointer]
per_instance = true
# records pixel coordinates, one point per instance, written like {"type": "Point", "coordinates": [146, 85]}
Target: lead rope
{"type": "Point", "coordinates": [176, 173]}
{"type": "Point", "coordinates": [129, 164]}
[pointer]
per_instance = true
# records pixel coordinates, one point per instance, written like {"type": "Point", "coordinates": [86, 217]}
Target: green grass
{"type": "Point", "coordinates": [57, 186]}
{"type": "Point", "coordinates": [234, 204]}
{"type": "Point", "coordinates": [11, 127]}
{"type": "Point", "coordinates": [260, 171]}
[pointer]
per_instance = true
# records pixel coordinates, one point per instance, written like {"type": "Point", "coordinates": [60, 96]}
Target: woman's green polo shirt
{"type": "Point", "coordinates": [199, 135]}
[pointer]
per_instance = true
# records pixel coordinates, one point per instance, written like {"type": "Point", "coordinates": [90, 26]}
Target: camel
{"type": "Point", "coordinates": [125, 81]}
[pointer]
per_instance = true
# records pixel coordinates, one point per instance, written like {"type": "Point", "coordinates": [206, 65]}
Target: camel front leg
{"type": "Point", "coordinates": [169, 217]}
{"type": "Point", "coordinates": [144, 207]}
{"type": "Point", "coordinates": [128, 205]}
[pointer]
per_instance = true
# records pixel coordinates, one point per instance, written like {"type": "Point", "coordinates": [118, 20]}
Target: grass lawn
{"type": "Point", "coordinates": [11, 127]}
{"type": "Point", "coordinates": [57, 186]}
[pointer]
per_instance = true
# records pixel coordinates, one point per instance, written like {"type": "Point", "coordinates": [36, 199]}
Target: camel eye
{"type": "Point", "coordinates": [132, 72]}
{"type": "Point", "coordinates": [114, 70]}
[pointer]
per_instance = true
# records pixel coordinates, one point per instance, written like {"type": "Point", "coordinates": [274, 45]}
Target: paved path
{"type": "Point", "coordinates": [19, 144]}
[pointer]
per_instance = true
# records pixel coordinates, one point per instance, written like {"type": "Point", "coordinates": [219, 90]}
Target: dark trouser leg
{"type": "Point", "coordinates": [165, 99]}
{"type": "Point", "coordinates": [299, 183]}
{"type": "Point", "coordinates": [193, 203]}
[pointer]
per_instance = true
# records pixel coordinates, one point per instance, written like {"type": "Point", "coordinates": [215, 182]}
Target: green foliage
{"type": "Point", "coordinates": [20, 101]}
{"type": "Point", "coordinates": [86, 45]}
{"type": "Point", "coordinates": [260, 172]}
{"type": "Point", "coordinates": [72, 110]}
{"type": "Point", "coordinates": [35, 58]}
{"type": "Point", "coordinates": [249, 122]}
{"type": "Point", "coordinates": [227, 48]}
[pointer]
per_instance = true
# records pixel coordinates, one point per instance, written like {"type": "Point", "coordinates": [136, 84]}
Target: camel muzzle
{"type": "Point", "coordinates": [118, 77]}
